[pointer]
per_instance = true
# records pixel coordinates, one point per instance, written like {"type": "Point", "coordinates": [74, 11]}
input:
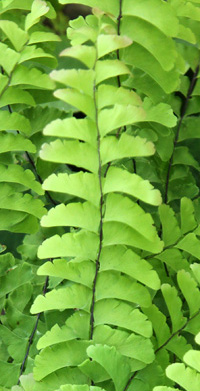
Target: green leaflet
{"type": "Point", "coordinates": [78, 215]}
{"type": "Point", "coordinates": [11, 200]}
{"type": "Point", "coordinates": [186, 377]}
{"type": "Point", "coordinates": [118, 313]}
{"type": "Point", "coordinates": [71, 152]}
{"type": "Point", "coordinates": [109, 95]}
{"type": "Point", "coordinates": [118, 180]}
{"type": "Point", "coordinates": [188, 222]}
{"type": "Point", "coordinates": [190, 243]}
{"type": "Point", "coordinates": [126, 146]}
{"type": "Point", "coordinates": [189, 289]}
{"type": "Point", "coordinates": [81, 79]}
{"type": "Point", "coordinates": [15, 142]}
{"type": "Point", "coordinates": [41, 36]}
{"type": "Point", "coordinates": [70, 244]}
{"type": "Point", "coordinates": [125, 343]}
{"type": "Point", "coordinates": [159, 14]}
{"type": "Point", "coordinates": [8, 57]}
{"type": "Point", "coordinates": [171, 297]}
{"type": "Point", "coordinates": [15, 35]}
{"type": "Point", "coordinates": [144, 34]}
{"type": "Point", "coordinates": [33, 77]}
{"type": "Point", "coordinates": [83, 53]}
{"type": "Point", "coordinates": [14, 121]}
{"type": "Point", "coordinates": [128, 262]}
{"type": "Point", "coordinates": [116, 365]}
{"type": "Point", "coordinates": [70, 353]}
{"type": "Point", "coordinates": [113, 285]}
{"type": "Point", "coordinates": [16, 277]}
{"type": "Point", "coordinates": [81, 129]}
{"type": "Point", "coordinates": [78, 272]}
{"type": "Point", "coordinates": [170, 229]}
{"type": "Point", "coordinates": [15, 174]}
{"type": "Point", "coordinates": [69, 297]}
{"type": "Point", "coordinates": [113, 7]}
{"type": "Point", "coordinates": [106, 69]}
{"type": "Point", "coordinates": [11, 97]}
{"type": "Point", "coordinates": [38, 9]}
{"type": "Point", "coordinates": [82, 184]}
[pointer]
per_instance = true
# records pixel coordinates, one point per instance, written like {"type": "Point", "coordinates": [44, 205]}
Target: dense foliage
{"type": "Point", "coordinates": [99, 196]}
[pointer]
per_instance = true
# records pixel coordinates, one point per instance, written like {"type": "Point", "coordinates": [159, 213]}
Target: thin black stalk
{"type": "Point", "coordinates": [101, 219]}
{"type": "Point", "coordinates": [118, 33]}
{"type": "Point", "coordinates": [30, 340]}
{"type": "Point", "coordinates": [183, 112]}
{"type": "Point", "coordinates": [177, 332]}
{"type": "Point", "coordinates": [163, 345]}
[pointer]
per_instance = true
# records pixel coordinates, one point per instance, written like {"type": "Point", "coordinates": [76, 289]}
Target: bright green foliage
{"type": "Point", "coordinates": [104, 295]}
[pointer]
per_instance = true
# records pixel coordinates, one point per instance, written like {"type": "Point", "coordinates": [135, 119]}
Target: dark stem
{"type": "Point", "coordinates": [118, 33]}
{"type": "Point", "coordinates": [101, 220]}
{"type": "Point", "coordinates": [177, 332]}
{"type": "Point", "coordinates": [163, 345]}
{"type": "Point", "coordinates": [183, 111]}
{"type": "Point", "coordinates": [30, 340]}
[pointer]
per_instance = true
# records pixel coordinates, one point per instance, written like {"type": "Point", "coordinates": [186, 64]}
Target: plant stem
{"type": "Point", "coordinates": [30, 340]}
{"type": "Point", "coordinates": [183, 112]}
{"type": "Point", "coordinates": [163, 345]}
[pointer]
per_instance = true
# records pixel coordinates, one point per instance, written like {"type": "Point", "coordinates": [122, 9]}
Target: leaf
{"type": "Point", "coordinates": [76, 326]}
{"type": "Point", "coordinates": [186, 377]}
{"type": "Point", "coordinates": [78, 272]}
{"type": "Point", "coordinates": [108, 95]}
{"type": "Point", "coordinates": [161, 15]}
{"type": "Point", "coordinates": [82, 215]}
{"type": "Point", "coordinates": [129, 345]}
{"type": "Point", "coordinates": [71, 152]}
{"type": "Point", "coordinates": [38, 9]}
{"type": "Point", "coordinates": [111, 284]}
{"type": "Point", "coordinates": [12, 200]}
{"type": "Point", "coordinates": [144, 33]}
{"type": "Point", "coordinates": [16, 174]}
{"type": "Point", "coordinates": [109, 43]}
{"type": "Point", "coordinates": [126, 146]}
{"type": "Point", "coordinates": [128, 262]}
{"type": "Point", "coordinates": [8, 58]}
{"type": "Point", "coordinates": [83, 53]}
{"type": "Point", "coordinates": [11, 96]}
{"type": "Point", "coordinates": [192, 358]}
{"type": "Point", "coordinates": [70, 353]}
{"type": "Point", "coordinates": [170, 229]}
{"type": "Point", "coordinates": [158, 320]}
{"type": "Point", "coordinates": [81, 79]}
{"type": "Point", "coordinates": [32, 77]}
{"type": "Point", "coordinates": [72, 296]}
{"type": "Point", "coordinates": [16, 36]}
{"type": "Point", "coordinates": [113, 362]}
{"type": "Point", "coordinates": [174, 306]}
{"type": "Point", "coordinates": [123, 315]}
{"type": "Point", "coordinates": [122, 209]}
{"type": "Point", "coordinates": [82, 184]}
{"type": "Point", "coordinates": [43, 36]}
{"type": "Point", "coordinates": [15, 142]}
{"type": "Point", "coordinates": [77, 99]}
{"type": "Point", "coordinates": [118, 180]}
{"type": "Point", "coordinates": [15, 277]}
{"type": "Point", "coordinates": [70, 244]}
{"type": "Point", "coordinates": [190, 291]}
{"type": "Point", "coordinates": [190, 243]}
{"type": "Point", "coordinates": [106, 69]}
{"type": "Point", "coordinates": [14, 121]}
{"type": "Point", "coordinates": [139, 57]}
{"type": "Point", "coordinates": [119, 233]}
{"type": "Point", "coordinates": [38, 55]}
{"type": "Point", "coordinates": [188, 222]}
{"type": "Point", "coordinates": [81, 129]}
{"type": "Point", "coordinates": [183, 156]}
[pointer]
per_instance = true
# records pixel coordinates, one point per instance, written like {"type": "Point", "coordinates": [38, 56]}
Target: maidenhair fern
{"type": "Point", "coordinates": [114, 181]}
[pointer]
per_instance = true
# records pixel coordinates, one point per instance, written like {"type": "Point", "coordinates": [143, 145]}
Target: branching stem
{"type": "Point", "coordinates": [183, 112]}
{"type": "Point", "coordinates": [30, 340]}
